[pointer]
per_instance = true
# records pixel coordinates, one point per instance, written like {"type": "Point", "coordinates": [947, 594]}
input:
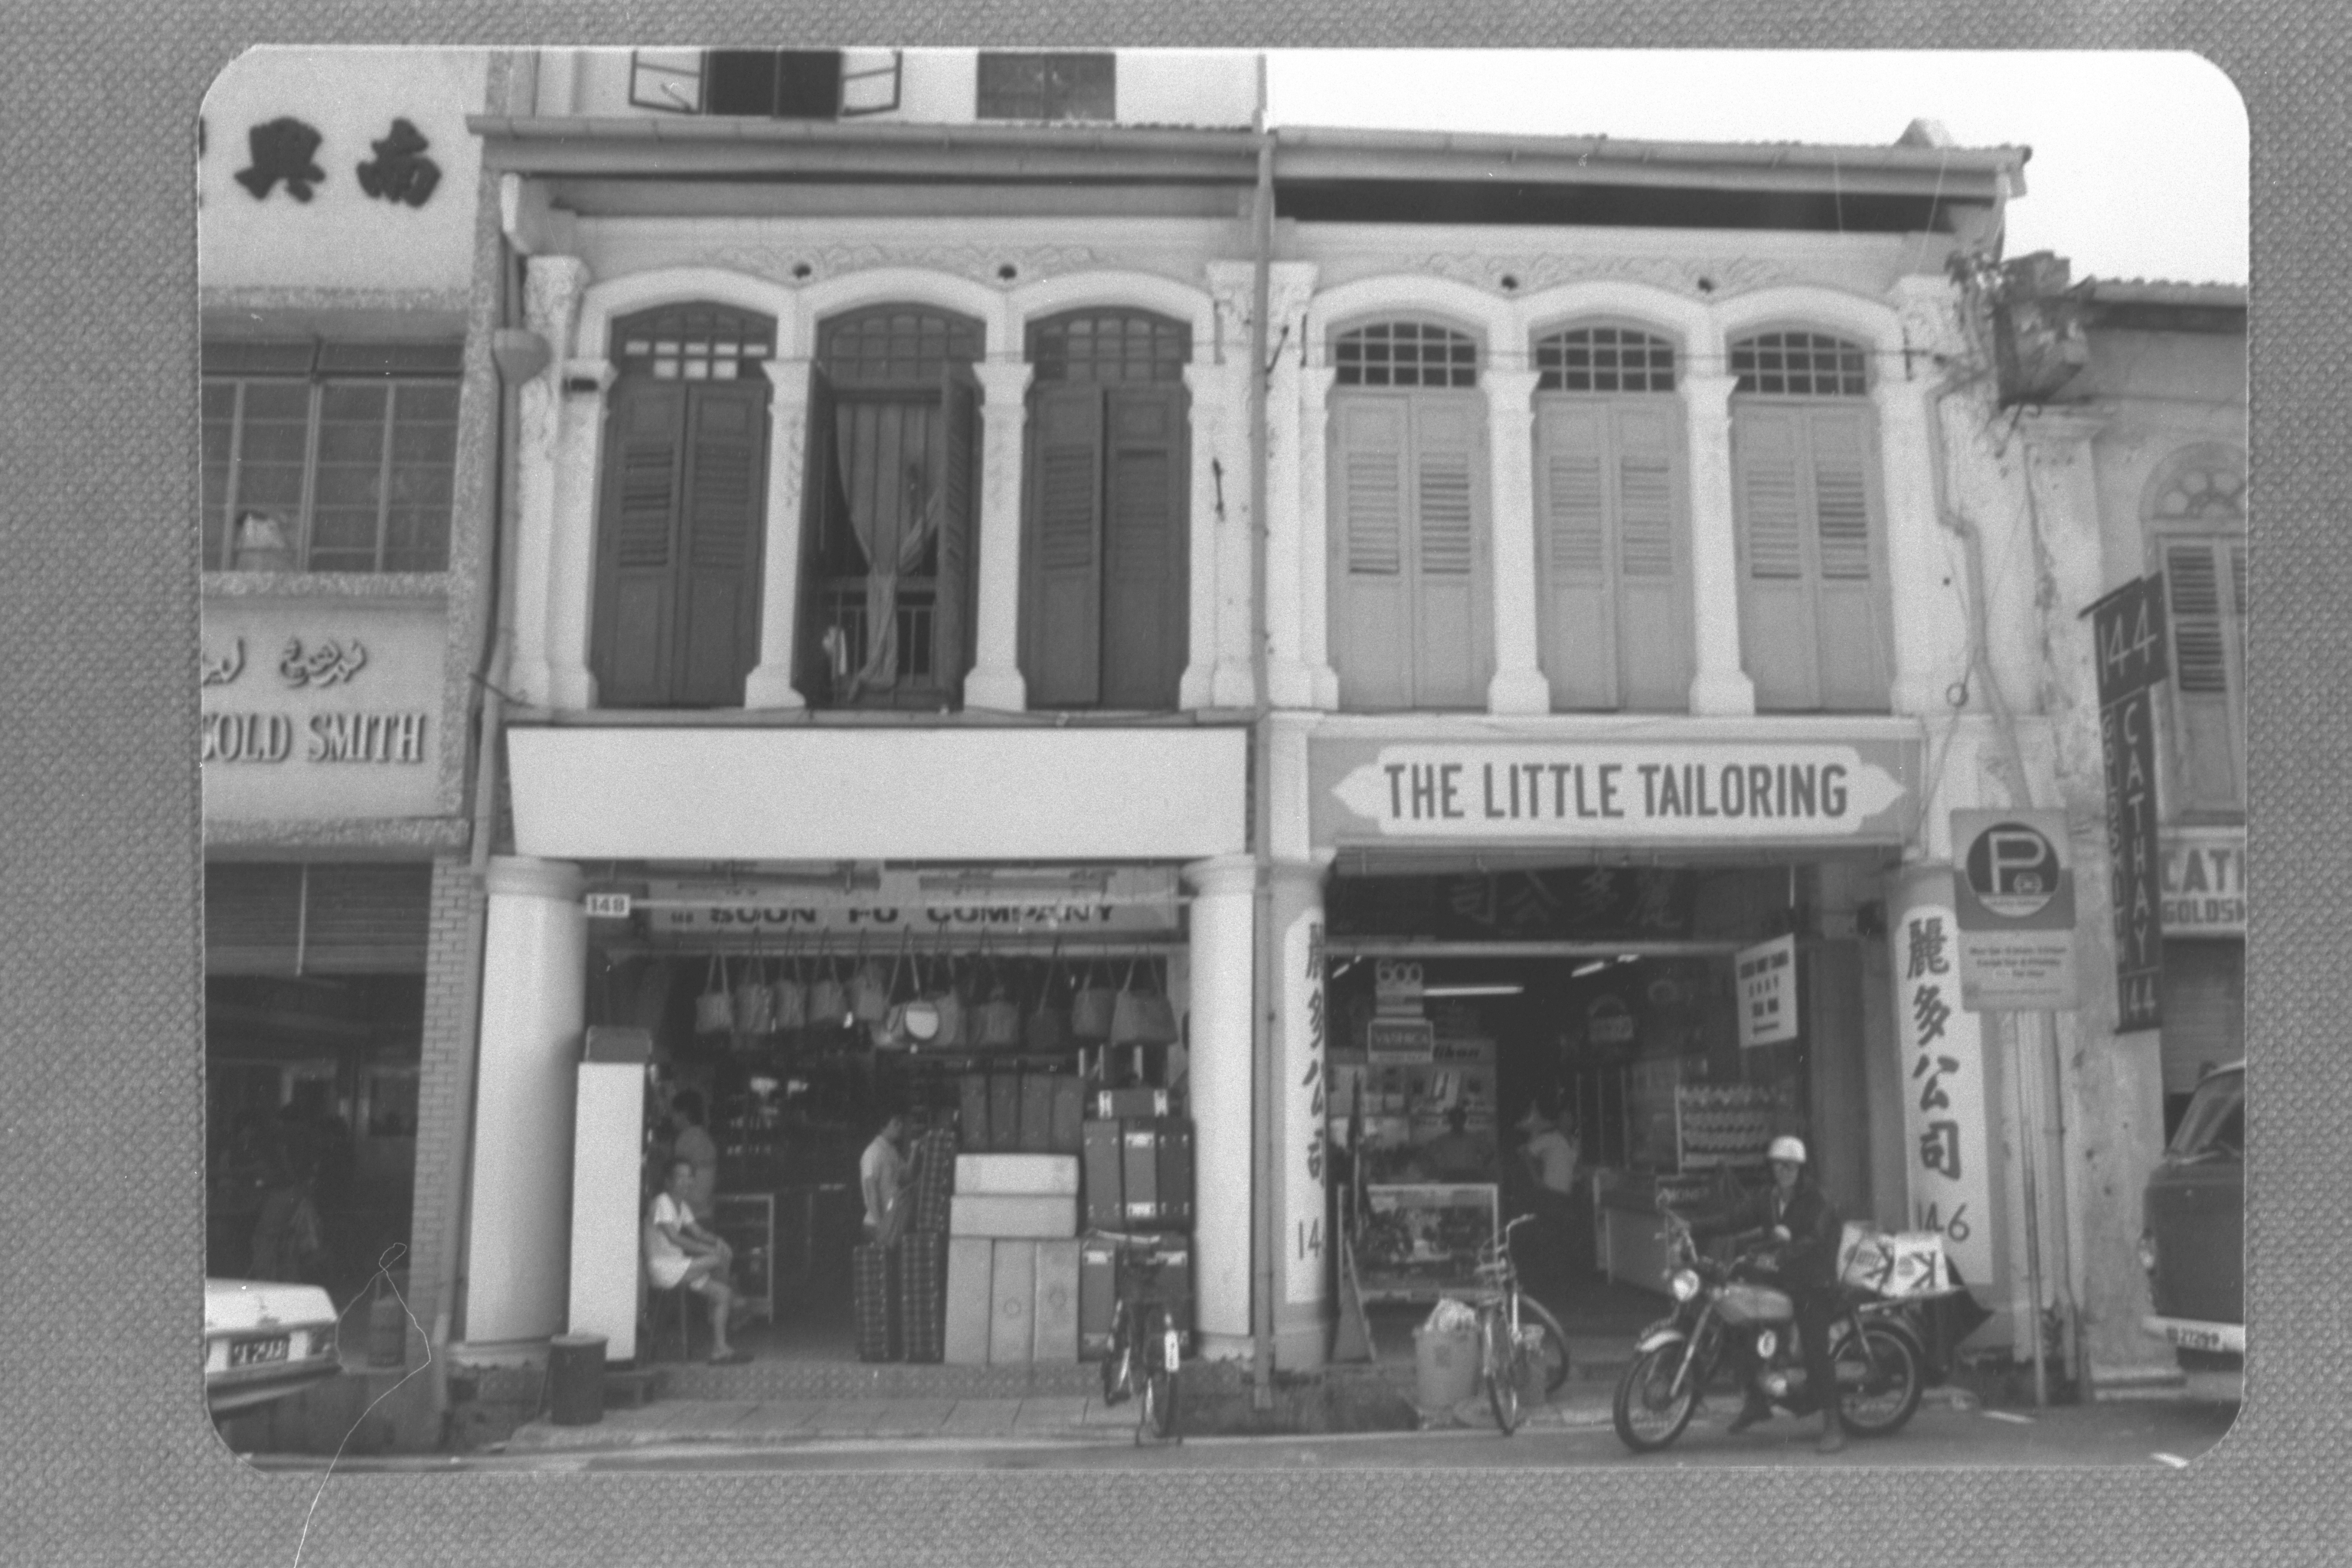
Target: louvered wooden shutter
{"type": "Point", "coordinates": [644, 477]}
{"type": "Point", "coordinates": [1452, 658]}
{"type": "Point", "coordinates": [1144, 591]}
{"type": "Point", "coordinates": [818, 486]}
{"type": "Point", "coordinates": [316, 918]}
{"type": "Point", "coordinates": [1371, 622]}
{"type": "Point", "coordinates": [1775, 613]}
{"type": "Point", "coordinates": [1578, 642]}
{"type": "Point", "coordinates": [719, 588]}
{"type": "Point", "coordinates": [959, 433]}
{"type": "Point", "coordinates": [1064, 664]}
{"type": "Point", "coordinates": [1654, 595]}
{"type": "Point", "coordinates": [2206, 661]}
{"type": "Point", "coordinates": [1851, 613]}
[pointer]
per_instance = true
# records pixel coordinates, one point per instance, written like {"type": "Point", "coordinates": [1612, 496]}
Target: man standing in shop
{"type": "Point", "coordinates": [882, 1180]}
{"type": "Point", "coordinates": [1550, 1154]}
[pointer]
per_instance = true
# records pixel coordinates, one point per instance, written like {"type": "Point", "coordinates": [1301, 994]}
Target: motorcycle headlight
{"type": "Point", "coordinates": [2148, 1252]}
{"type": "Point", "coordinates": [1766, 1341]}
{"type": "Point", "coordinates": [1683, 1283]}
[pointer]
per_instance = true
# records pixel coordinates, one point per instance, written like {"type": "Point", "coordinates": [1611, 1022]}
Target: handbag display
{"type": "Point", "coordinates": [714, 1010]}
{"type": "Point", "coordinates": [1047, 1027]}
{"type": "Point", "coordinates": [755, 1005]}
{"type": "Point", "coordinates": [827, 1000]}
{"type": "Point", "coordinates": [869, 991]}
{"type": "Point", "coordinates": [997, 1021]}
{"type": "Point", "coordinates": [1142, 1017]}
{"type": "Point", "coordinates": [955, 1017]}
{"type": "Point", "coordinates": [1091, 1009]}
{"type": "Point", "coordinates": [788, 998]}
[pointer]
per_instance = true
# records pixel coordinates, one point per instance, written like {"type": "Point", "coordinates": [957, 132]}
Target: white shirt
{"type": "Point", "coordinates": [1554, 1155]}
{"type": "Point", "coordinates": [879, 1179]}
{"type": "Point", "coordinates": [662, 1250]}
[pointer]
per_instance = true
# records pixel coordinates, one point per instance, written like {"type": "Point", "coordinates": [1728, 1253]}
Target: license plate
{"type": "Point", "coordinates": [1171, 1349]}
{"type": "Point", "coordinates": [253, 1353]}
{"type": "Point", "coordinates": [2194, 1338]}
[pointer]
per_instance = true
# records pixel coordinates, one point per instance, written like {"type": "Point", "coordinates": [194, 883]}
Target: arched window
{"type": "Point", "coordinates": [2195, 513]}
{"type": "Point", "coordinates": [1410, 616]}
{"type": "Point", "coordinates": [1612, 543]}
{"type": "Point", "coordinates": [1405, 353]}
{"type": "Point", "coordinates": [1815, 616]}
{"type": "Point", "coordinates": [1105, 586]}
{"type": "Point", "coordinates": [682, 520]}
{"type": "Point", "coordinates": [889, 513]}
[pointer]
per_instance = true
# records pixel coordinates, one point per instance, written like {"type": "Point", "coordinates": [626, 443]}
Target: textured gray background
{"type": "Point", "coordinates": [109, 1457]}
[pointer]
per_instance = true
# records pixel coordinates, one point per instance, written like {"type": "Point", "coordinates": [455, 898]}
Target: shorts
{"type": "Point", "coordinates": [666, 1272]}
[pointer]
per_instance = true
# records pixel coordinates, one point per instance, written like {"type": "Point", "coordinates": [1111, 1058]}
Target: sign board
{"type": "Point", "coordinates": [1400, 1039]}
{"type": "Point", "coordinates": [2204, 882]}
{"type": "Point", "coordinates": [1519, 792]}
{"type": "Point", "coordinates": [1768, 991]}
{"type": "Point", "coordinates": [2014, 900]}
{"type": "Point", "coordinates": [1114, 901]}
{"type": "Point", "coordinates": [313, 710]}
{"type": "Point", "coordinates": [1946, 1107]}
{"type": "Point", "coordinates": [2128, 630]}
{"type": "Point", "coordinates": [1417, 1243]}
{"type": "Point", "coordinates": [1397, 986]}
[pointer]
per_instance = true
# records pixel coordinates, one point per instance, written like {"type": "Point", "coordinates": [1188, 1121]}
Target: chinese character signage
{"type": "Point", "coordinates": [2015, 900]}
{"type": "Point", "coordinates": [1301, 1106]}
{"type": "Point", "coordinates": [1945, 1104]}
{"type": "Point", "coordinates": [1767, 975]}
{"type": "Point", "coordinates": [2128, 630]}
{"type": "Point", "coordinates": [1617, 793]}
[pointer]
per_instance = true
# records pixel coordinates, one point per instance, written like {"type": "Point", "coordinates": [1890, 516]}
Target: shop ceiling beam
{"type": "Point", "coordinates": [1431, 947]}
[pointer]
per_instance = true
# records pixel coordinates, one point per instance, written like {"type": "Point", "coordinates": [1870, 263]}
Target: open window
{"type": "Point", "coordinates": [774, 84]}
{"type": "Point", "coordinates": [2196, 513]}
{"type": "Point", "coordinates": [889, 510]}
{"type": "Point", "coordinates": [1057, 86]}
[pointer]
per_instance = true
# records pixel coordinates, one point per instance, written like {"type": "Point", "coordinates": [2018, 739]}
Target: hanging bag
{"type": "Point", "coordinates": [788, 995]}
{"type": "Point", "coordinates": [826, 1001]}
{"type": "Point", "coordinates": [755, 1011]}
{"type": "Point", "coordinates": [1141, 1018]}
{"type": "Point", "coordinates": [996, 1021]}
{"type": "Point", "coordinates": [1091, 1008]}
{"type": "Point", "coordinates": [714, 1010]}
{"type": "Point", "coordinates": [869, 989]}
{"type": "Point", "coordinates": [955, 1017]}
{"type": "Point", "coordinates": [1047, 1027]}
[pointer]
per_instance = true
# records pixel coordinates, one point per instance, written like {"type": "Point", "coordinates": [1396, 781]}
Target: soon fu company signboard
{"type": "Point", "coordinates": [1857, 791]}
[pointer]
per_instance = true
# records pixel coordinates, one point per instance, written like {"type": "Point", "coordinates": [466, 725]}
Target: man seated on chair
{"type": "Point", "coordinates": [681, 1253]}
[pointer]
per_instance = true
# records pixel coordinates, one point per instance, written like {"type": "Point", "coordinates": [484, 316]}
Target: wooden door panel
{"type": "Point", "coordinates": [1452, 651]}
{"type": "Point", "coordinates": [637, 544]}
{"type": "Point", "coordinates": [1370, 609]}
{"type": "Point", "coordinates": [719, 574]}
{"type": "Point", "coordinates": [1575, 605]}
{"type": "Point", "coordinates": [1063, 559]}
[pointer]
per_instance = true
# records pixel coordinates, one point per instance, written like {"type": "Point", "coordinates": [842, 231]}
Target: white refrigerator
{"type": "Point", "coordinates": [608, 1152]}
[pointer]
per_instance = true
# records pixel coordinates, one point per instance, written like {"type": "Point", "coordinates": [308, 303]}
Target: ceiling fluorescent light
{"type": "Point", "coordinates": [1501, 990]}
{"type": "Point", "coordinates": [1582, 969]}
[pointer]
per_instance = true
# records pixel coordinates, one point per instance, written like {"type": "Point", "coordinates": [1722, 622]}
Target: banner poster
{"type": "Point", "coordinates": [1945, 1103]}
{"type": "Point", "coordinates": [1300, 1106]}
{"type": "Point", "coordinates": [1768, 991]}
{"type": "Point", "coordinates": [2136, 860]}
{"type": "Point", "coordinates": [2016, 906]}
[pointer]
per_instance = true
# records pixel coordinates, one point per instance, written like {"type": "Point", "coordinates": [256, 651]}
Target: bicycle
{"type": "Point", "coordinates": [1147, 1349]}
{"type": "Point", "coordinates": [1514, 1332]}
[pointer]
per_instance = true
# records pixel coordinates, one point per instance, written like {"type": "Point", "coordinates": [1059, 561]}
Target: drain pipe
{"type": "Point", "coordinates": [1264, 1033]}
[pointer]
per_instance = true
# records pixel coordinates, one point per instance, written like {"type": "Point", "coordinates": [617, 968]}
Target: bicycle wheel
{"type": "Point", "coordinates": [1885, 1387]}
{"type": "Point", "coordinates": [1648, 1416]}
{"type": "Point", "coordinates": [1551, 1352]}
{"type": "Point", "coordinates": [1505, 1362]}
{"type": "Point", "coordinates": [1118, 1361]}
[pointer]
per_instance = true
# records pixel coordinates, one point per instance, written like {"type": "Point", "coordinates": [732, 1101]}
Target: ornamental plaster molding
{"type": "Point", "coordinates": [796, 268]}
{"type": "Point", "coordinates": [1679, 274]}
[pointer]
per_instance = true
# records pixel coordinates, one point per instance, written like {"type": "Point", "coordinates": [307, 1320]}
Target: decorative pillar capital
{"type": "Point", "coordinates": [589, 377]}
{"type": "Point", "coordinates": [1510, 391]}
{"type": "Point", "coordinates": [1003, 383]}
{"type": "Point", "coordinates": [1223, 877]}
{"type": "Point", "coordinates": [551, 288]}
{"type": "Point", "coordinates": [789, 377]}
{"type": "Point", "coordinates": [528, 877]}
{"type": "Point", "coordinates": [1709, 392]}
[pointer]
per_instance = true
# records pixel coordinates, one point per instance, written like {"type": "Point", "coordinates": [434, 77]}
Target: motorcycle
{"type": "Point", "coordinates": [1878, 1358]}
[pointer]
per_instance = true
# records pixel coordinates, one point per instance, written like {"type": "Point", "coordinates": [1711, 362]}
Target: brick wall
{"type": "Point", "coordinates": [450, 956]}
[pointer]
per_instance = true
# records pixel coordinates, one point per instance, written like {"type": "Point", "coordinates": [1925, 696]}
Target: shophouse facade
{"type": "Point", "coordinates": [1643, 578]}
{"type": "Point", "coordinates": [349, 420]}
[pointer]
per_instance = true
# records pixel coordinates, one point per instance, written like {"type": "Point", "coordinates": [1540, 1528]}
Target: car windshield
{"type": "Point", "coordinates": [2216, 1122]}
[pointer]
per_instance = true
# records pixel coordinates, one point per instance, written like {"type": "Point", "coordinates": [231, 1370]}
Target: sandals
{"type": "Point", "coordinates": [735, 1357]}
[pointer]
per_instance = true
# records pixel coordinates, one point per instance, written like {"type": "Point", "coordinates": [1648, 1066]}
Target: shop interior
{"type": "Point", "coordinates": [797, 1084]}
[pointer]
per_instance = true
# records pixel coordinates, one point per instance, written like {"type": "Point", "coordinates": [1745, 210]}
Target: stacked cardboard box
{"type": "Point", "coordinates": [1012, 1260]}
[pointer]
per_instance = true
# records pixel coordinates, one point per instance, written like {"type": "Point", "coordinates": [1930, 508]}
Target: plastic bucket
{"type": "Point", "coordinates": [575, 1379]}
{"type": "Point", "coordinates": [1444, 1365]}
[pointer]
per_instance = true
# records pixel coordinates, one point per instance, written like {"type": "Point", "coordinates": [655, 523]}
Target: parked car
{"type": "Point", "coordinates": [2193, 1246]}
{"type": "Point", "coordinates": [265, 1340]}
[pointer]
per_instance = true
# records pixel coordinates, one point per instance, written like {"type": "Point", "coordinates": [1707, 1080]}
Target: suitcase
{"type": "Point", "coordinates": [1102, 1165]}
{"type": "Point", "coordinates": [873, 1303]}
{"type": "Point", "coordinates": [1014, 1218]}
{"type": "Point", "coordinates": [1140, 1170]}
{"type": "Point", "coordinates": [1004, 1111]}
{"type": "Point", "coordinates": [922, 1295]}
{"type": "Point", "coordinates": [1036, 1113]}
{"type": "Point", "coordinates": [970, 1260]}
{"type": "Point", "coordinates": [1097, 1287]}
{"type": "Point", "coordinates": [1013, 1292]}
{"type": "Point", "coordinates": [935, 1167]}
{"type": "Point", "coordinates": [972, 1118]}
{"type": "Point", "coordinates": [1053, 1324]}
{"type": "Point", "coordinates": [1116, 1104]}
{"type": "Point", "coordinates": [1016, 1175]}
{"type": "Point", "coordinates": [1067, 1136]}
{"type": "Point", "coordinates": [1175, 1172]}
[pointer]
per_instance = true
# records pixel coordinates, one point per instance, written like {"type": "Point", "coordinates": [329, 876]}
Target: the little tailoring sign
{"type": "Point", "coordinates": [1857, 791]}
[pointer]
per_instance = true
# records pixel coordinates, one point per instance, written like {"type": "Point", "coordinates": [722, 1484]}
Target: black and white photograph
{"type": "Point", "coordinates": [964, 759]}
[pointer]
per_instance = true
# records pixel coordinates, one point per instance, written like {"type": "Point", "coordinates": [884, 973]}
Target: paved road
{"type": "Point", "coordinates": [2169, 1433]}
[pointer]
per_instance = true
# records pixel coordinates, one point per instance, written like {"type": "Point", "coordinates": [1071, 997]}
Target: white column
{"type": "Point", "coordinates": [996, 679]}
{"type": "Point", "coordinates": [1290, 681]}
{"type": "Point", "coordinates": [1223, 964]}
{"type": "Point", "coordinates": [1217, 668]}
{"type": "Point", "coordinates": [770, 684]}
{"type": "Point", "coordinates": [1718, 684]}
{"type": "Point", "coordinates": [551, 290]}
{"type": "Point", "coordinates": [1300, 1048]}
{"type": "Point", "coordinates": [1929, 626]}
{"type": "Point", "coordinates": [1314, 383]}
{"type": "Point", "coordinates": [534, 980]}
{"type": "Point", "coordinates": [1519, 685]}
{"type": "Point", "coordinates": [571, 577]}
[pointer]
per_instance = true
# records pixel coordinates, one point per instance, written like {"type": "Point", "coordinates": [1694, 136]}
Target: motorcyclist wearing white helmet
{"type": "Point", "coordinates": [1803, 1228]}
